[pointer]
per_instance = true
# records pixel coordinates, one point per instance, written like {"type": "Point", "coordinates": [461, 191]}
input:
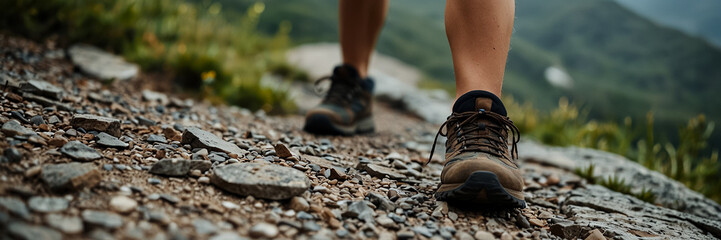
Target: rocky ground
{"type": "Point", "coordinates": [87, 159]}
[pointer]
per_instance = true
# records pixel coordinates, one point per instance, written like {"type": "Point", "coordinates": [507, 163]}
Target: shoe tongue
{"type": "Point", "coordinates": [346, 72]}
{"type": "Point", "coordinates": [475, 100]}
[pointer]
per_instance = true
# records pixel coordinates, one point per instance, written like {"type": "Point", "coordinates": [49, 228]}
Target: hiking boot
{"type": "Point", "coordinates": [479, 167]}
{"type": "Point", "coordinates": [346, 109]}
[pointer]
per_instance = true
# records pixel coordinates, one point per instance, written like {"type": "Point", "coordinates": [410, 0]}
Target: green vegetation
{"type": "Point", "coordinates": [614, 183]}
{"type": "Point", "coordinates": [220, 57]}
{"type": "Point", "coordinates": [686, 162]}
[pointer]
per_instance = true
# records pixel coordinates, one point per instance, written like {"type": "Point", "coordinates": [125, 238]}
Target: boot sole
{"type": "Point", "coordinates": [481, 189]}
{"type": "Point", "coordinates": [322, 125]}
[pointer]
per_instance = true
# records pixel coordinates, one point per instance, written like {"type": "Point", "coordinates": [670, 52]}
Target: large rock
{"type": "Point", "coordinates": [42, 88]}
{"type": "Point", "coordinates": [261, 180]}
{"type": "Point", "coordinates": [79, 151]}
{"type": "Point", "coordinates": [101, 64]}
{"type": "Point", "coordinates": [671, 193]}
{"type": "Point", "coordinates": [179, 167]}
{"type": "Point", "coordinates": [70, 176]}
{"type": "Point", "coordinates": [622, 216]}
{"type": "Point", "coordinates": [199, 138]}
{"type": "Point", "coordinates": [97, 123]}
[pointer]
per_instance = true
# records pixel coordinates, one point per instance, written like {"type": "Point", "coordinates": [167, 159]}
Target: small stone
{"type": "Point", "coordinates": [553, 180]}
{"type": "Point", "coordinates": [14, 128]}
{"type": "Point", "coordinates": [157, 97]}
{"type": "Point", "coordinates": [380, 171]}
{"type": "Point", "coordinates": [42, 88]}
{"type": "Point", "coordinates": [25, 231]}
{"type": "Point", "coordinates": [282, 151]}
{"type": "Point", "coordinates": [230, 205]}
{"type": "Point", "coordinates": [179, 167]}
{"type": "Point", "coordinates": [15, 206]}
{"type": "Point", "coordinates": [261, 180]}
{"type": "Point", "coordinates": [37, 120]}
{"type": "Point", "coordinates": [57, 141]}
{"type": "Point", "coordinates": [102, 219]}
{"type": "Point", "coordinates": [196, 173]}
{"type": "Point", "coordinates": [422, 231]}
{"type": "Point", "coordinates": [13, 154]}
{"type": "Point", "coordinates": [506, 236]}
{"type": "Point", "coordinates": [299, 204]}
{"type": "Point", "coordinates": [107, 140]}
{"type": "Point", "coordinates": [204, 180]}
{"type": "Point", "coordinates": [153, 138]}
{"type": "Point", "coordinates": [537, 222]}
{"type": "Point", "coordinates": [33, 171]}
{"type": "Point", "coordinates": [263, 230]}
{"type": "Point", "coordinates": [198, 138]}
{"type": "Point", "coordinates": [53, 120]}
{"type": "Point", "coordinates": [123, 204]}
{"type": "Point", "coordinates": [360, 210]}
{"type": "Point", "coordinates": [310, 226]}
{"type": "Point", "coordinates": [203, 227]}
{"type": "Point", "coordinates": [154, 181]}
{"type": "Point", "coordinates": [69, 176]}
{"type": "Point", "coordinates": [381, 201]}
{"type": "Point", "coordinates": [47, 204]}
{"type": "Point", "coordinates": [66, 224]}
{"type": "Point", "coordinates": [483, 235]}
{"type": "Point", "coordinates": [453, 216]}
{"type": "Point", "coordinates": [96, 123]}
{"type": "Point", "coordinates": [79, 151]}
{"type": "Point", "coordinates": [595, 234]}
{"type": "Point", "coordinates": [145, 121]}
{"type": "Point", "coordinates": [172, 134]}
{"type": "Point", "coordinates": [386, 222]}
{"type": "Point", "coordinates": [545, 215]}
{"type": "Point", "coordinates": [337, 173]}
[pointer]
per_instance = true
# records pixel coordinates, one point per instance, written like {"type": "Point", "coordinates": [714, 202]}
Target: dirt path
{"type": "Point", "coordinates": [83, 160]}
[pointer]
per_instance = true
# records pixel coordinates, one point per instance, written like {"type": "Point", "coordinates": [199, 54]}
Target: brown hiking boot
{"type": "Point", "coordinates": [347, 107]}
{"type": "Point", "coordinates": [479, 167]}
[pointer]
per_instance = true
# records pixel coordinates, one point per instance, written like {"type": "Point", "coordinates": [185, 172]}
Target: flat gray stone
{"type": "Point", "coordinates": [261, 180]}
{"type": "Point", "coordinates": [14, 128]}
{"type": "Point", "coordinates": [100, 64]}
{"type": "Point", "coordinates": [97, 123]}
{"type": "Point", "coordinates": [198, 138]}
{"type": "Point", "coordinates": [381, 201]}
{"type": "Point", "coordinates": [47, 102]}
{"type": "Point", "coordinates": [179, 167]}
{"type": "Point", "coordinates": [360, 210]}
{"type": "Point", "coordinates": [107, 140]}
{"type": "Point", "coordinates": [79, 151]}
{"type": "Point", "coordinates": [15, 206]}
{"type": "Point", "coordinates": [70, 176]}
{"type": "Point", "coordinates": [25, 231]}
{"type": "Point", "coordinates": [380, 171]}
{"type": "Point", "coordinates": [154, 138]}
{"type": "Point", "coordinates": [227, 236]}
{"type": "Point", "coordinates": [65, 224]}
{"type": "Point", "coordinates": [152, 96]}
{"type": "Point", "coordinates": [204, 227]}
{"type": "Point", "coordinates": [102, 219]}
{"type": "Point", "coordinates": [263, 230]}
{"type": "Point", "coordinates": [48, 204]}
{"type": "Point", "coordinates": [42, 88]}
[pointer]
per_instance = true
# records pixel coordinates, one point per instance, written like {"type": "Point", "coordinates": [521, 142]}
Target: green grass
{"type": "Point", "coordinates": [614, 183]}
{"type": "Point", "coordinates": [187, 40]}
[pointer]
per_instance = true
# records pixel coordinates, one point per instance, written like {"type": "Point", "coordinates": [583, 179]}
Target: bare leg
{"type": "Point", "coordinates": [479, 33]}
{"type": "Point", "coordinates": [360, 23]}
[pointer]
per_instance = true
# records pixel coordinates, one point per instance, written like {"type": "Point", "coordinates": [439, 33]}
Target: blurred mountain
{"type": "Point", "coordinates": [597, 53]}
{"type": "Point", "coordinates": [699, 17]}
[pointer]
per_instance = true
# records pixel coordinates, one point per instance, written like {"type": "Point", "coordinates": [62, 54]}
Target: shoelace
{"type": "Point", "coordinates": [496, 141]}
{"type": "Point", "coordinates": [339, 92]}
